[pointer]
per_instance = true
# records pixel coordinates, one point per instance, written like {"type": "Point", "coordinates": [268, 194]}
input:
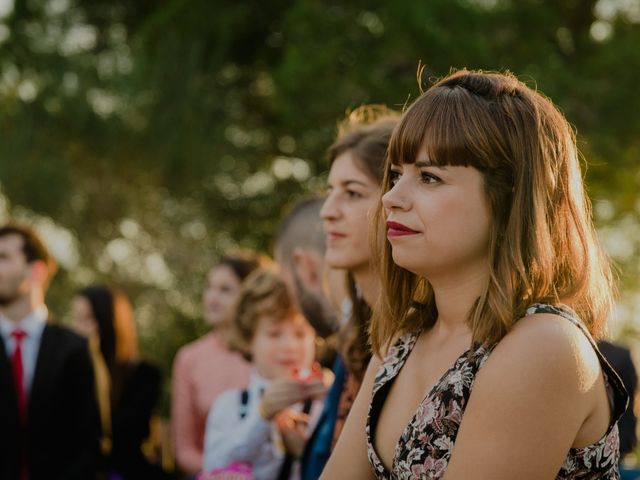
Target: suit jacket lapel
{"type": "Point", "coordinates": [45, 362]}
{"type": "Point", "coordinates": [9, 400]}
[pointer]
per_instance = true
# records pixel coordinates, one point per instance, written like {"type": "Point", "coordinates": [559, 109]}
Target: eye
{"type": "Point", "coordinates": [300, 333]}
{"type": "Point", "coordinates": [273, 333]}
{"type": "Point", "coordinates": [394, 176]}
{"type": "Point", "coordinates": [426, 177]}
{"type": "Point", "coordinates": [353, 194]}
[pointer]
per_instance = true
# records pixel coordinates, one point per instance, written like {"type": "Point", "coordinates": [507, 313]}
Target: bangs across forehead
{"type": "Point", "coordinates": [445, 123]}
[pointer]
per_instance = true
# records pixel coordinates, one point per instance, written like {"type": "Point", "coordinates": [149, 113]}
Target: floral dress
{"type": "Point", "coordinates": [425, 446]}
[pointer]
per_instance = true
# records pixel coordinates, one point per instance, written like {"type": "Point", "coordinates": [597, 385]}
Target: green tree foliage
{"type": "Point", "coordinates": [162, 133]}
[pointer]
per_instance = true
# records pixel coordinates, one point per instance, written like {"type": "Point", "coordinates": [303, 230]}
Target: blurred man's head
{"type": "Point", "coordinates": [299, 250]}
{"type": "Point", "coordinates": [25, 264]}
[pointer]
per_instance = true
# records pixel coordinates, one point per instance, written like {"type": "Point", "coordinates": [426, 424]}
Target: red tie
{"type": "Point", "coordinates": [18, 374]}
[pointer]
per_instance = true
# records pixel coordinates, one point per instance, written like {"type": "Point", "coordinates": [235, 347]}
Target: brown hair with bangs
{"type": "Point", "coordinates": [365, 132]}
{"type": "Point", "coordinates": [263, 294]}
{"type": "Point", "coordinates": [543, 245]}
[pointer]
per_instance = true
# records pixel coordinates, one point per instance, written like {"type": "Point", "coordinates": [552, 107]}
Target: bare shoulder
{"type": "Point", "coordinates": [548, 348]}
{"type": "Point", "coordinates": [542, 331]}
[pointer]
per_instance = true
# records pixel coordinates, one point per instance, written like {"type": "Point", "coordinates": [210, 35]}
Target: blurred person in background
{"type": "Point", "coordinates": [49, 421]}
{"type": "Point", "coordinates": [299, 251]}
{"type": "Point", "coordinates": [128, 388]}
{"type": "Point", "coordinates": [620, 359]}
{"type": "Point", "coordinates": [266, 424]}
{"type": "Point", "coordinates": [356, 170]}
{"type": "Point", "coordinates": [205, 368]}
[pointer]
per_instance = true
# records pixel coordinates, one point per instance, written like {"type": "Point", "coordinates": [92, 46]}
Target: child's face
{"type": "Point", "coordinates": [281, 347]}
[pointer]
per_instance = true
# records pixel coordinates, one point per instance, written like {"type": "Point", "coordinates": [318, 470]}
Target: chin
{"type": "Point", "coordinates": [405, 262]}
{"type": "Point", "coordinates": [217, 323]}
{"type": "Point", "coordinates": [339, 261]}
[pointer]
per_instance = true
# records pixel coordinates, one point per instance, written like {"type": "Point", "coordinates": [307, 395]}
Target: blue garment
{"type": "Point", "coordinates": [318, 448]}
{"type": "Point", "coordinates": [629, 473]}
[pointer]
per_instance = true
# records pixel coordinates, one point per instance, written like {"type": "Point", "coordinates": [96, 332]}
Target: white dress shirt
{"type": "Point", "coordinates": [33, 325]}
{"type": "Point", "coordinates": [253, 440]}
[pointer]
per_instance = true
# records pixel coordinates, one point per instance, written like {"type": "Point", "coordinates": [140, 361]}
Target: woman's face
{"type": "Point", "coordinates": [220, 295]}
{"type": "Point", "coordinates": [438, 218]}
{"type": "Point", "coordinates": [83, 320]}
{"type": "Point", "coordinates": [280, 347]}
{"type": "Point", "coordinates": [351, 201]}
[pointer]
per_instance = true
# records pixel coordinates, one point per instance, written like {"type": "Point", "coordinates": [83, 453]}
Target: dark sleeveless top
{"type": "Point", "coordinates": [425, 446]}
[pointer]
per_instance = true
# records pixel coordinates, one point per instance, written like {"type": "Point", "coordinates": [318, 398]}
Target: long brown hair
{"type": "Point", "coordinates": [365, 132]}
{"type": "Point", "coordinates": [543, 246]}
{"type": "Point", "coordinates": [117, 333]}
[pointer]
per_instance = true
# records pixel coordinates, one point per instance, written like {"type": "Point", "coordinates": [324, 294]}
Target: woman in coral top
{"type": "Point", "coordinates": [205, 368]}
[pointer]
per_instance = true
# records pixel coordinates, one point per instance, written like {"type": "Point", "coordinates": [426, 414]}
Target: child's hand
{"type": "Point", "coordinates": [279, 395]}
{"type": "Point", "coordinates": [293, 428]}
{"type": "Point", "coordinates": [314, 389]}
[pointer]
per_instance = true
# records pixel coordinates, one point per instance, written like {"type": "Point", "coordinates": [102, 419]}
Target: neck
{"type": "Point", "coordinates": [368, 284]}
{"type": "Point", "coordinates": [455, 296]}
{"type": "Point", "coordinates": [21, 307]}
{"type": "Point", "coordinates": [223, 331]}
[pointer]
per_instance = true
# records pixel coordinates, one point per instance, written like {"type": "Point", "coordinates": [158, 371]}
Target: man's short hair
{"type": "Point", "coordinates": [33, 247]}
{"type": "Point", "coordinates": [301, 227]}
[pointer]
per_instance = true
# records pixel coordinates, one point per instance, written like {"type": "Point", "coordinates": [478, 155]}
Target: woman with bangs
{"type": "Point", "coordinates": [494, 286]}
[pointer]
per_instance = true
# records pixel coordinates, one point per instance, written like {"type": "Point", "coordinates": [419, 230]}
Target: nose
{"type": "Point", "coordinates": [330, 208]}
{"type": "Point", "coordinates": [289, 343]}
{"type": "Point", "coordinates": [396, 198]}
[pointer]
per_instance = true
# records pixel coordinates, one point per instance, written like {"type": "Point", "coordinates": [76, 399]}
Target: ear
{"type": "Point", "coordinates": [39, 272]}
{"type": "Point", "coordinates": [308, 266]}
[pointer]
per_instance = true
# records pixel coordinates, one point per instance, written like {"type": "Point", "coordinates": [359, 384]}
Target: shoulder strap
{"type": "Point", "coordinates": [244, 403]}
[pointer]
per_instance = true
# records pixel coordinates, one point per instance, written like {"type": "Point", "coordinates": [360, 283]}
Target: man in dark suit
{"type": "Point", "coordinates": [49, 421]}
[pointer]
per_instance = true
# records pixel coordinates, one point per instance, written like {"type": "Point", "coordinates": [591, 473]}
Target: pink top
{"type": "Point", "coordinates": [202, 370]}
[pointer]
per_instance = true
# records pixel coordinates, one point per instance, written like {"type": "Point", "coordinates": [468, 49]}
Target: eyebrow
{"type": "Point", "coordinates": [346, 183]}
{"type": "Point", "coordinates": [428, 163]}
{"type": "Point", "coordinates": [357, 182]}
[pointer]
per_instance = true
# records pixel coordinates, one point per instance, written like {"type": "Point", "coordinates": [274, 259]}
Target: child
{"type": "Point", "coordinates": [267, 424]}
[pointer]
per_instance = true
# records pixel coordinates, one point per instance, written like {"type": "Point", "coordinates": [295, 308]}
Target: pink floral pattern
{"type": "Point", "coordinates": [425, 446]}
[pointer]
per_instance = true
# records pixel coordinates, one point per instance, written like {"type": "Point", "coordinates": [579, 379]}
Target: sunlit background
{"type": "Point", "coordinates": [145, 138]}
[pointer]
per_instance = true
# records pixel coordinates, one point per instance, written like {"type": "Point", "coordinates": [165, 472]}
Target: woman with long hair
{"type": "Point", "coordinates": [128, 388]}
{"type": "Point", "coordinates": [356, 161]}
{"type": "Point", "coordinates": [493, 287]}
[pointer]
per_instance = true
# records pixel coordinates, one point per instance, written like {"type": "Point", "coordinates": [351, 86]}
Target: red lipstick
{"type": "Point", "coordinates": [395, 229]}
{"type": "Point", "coordinates": [333, 236]}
